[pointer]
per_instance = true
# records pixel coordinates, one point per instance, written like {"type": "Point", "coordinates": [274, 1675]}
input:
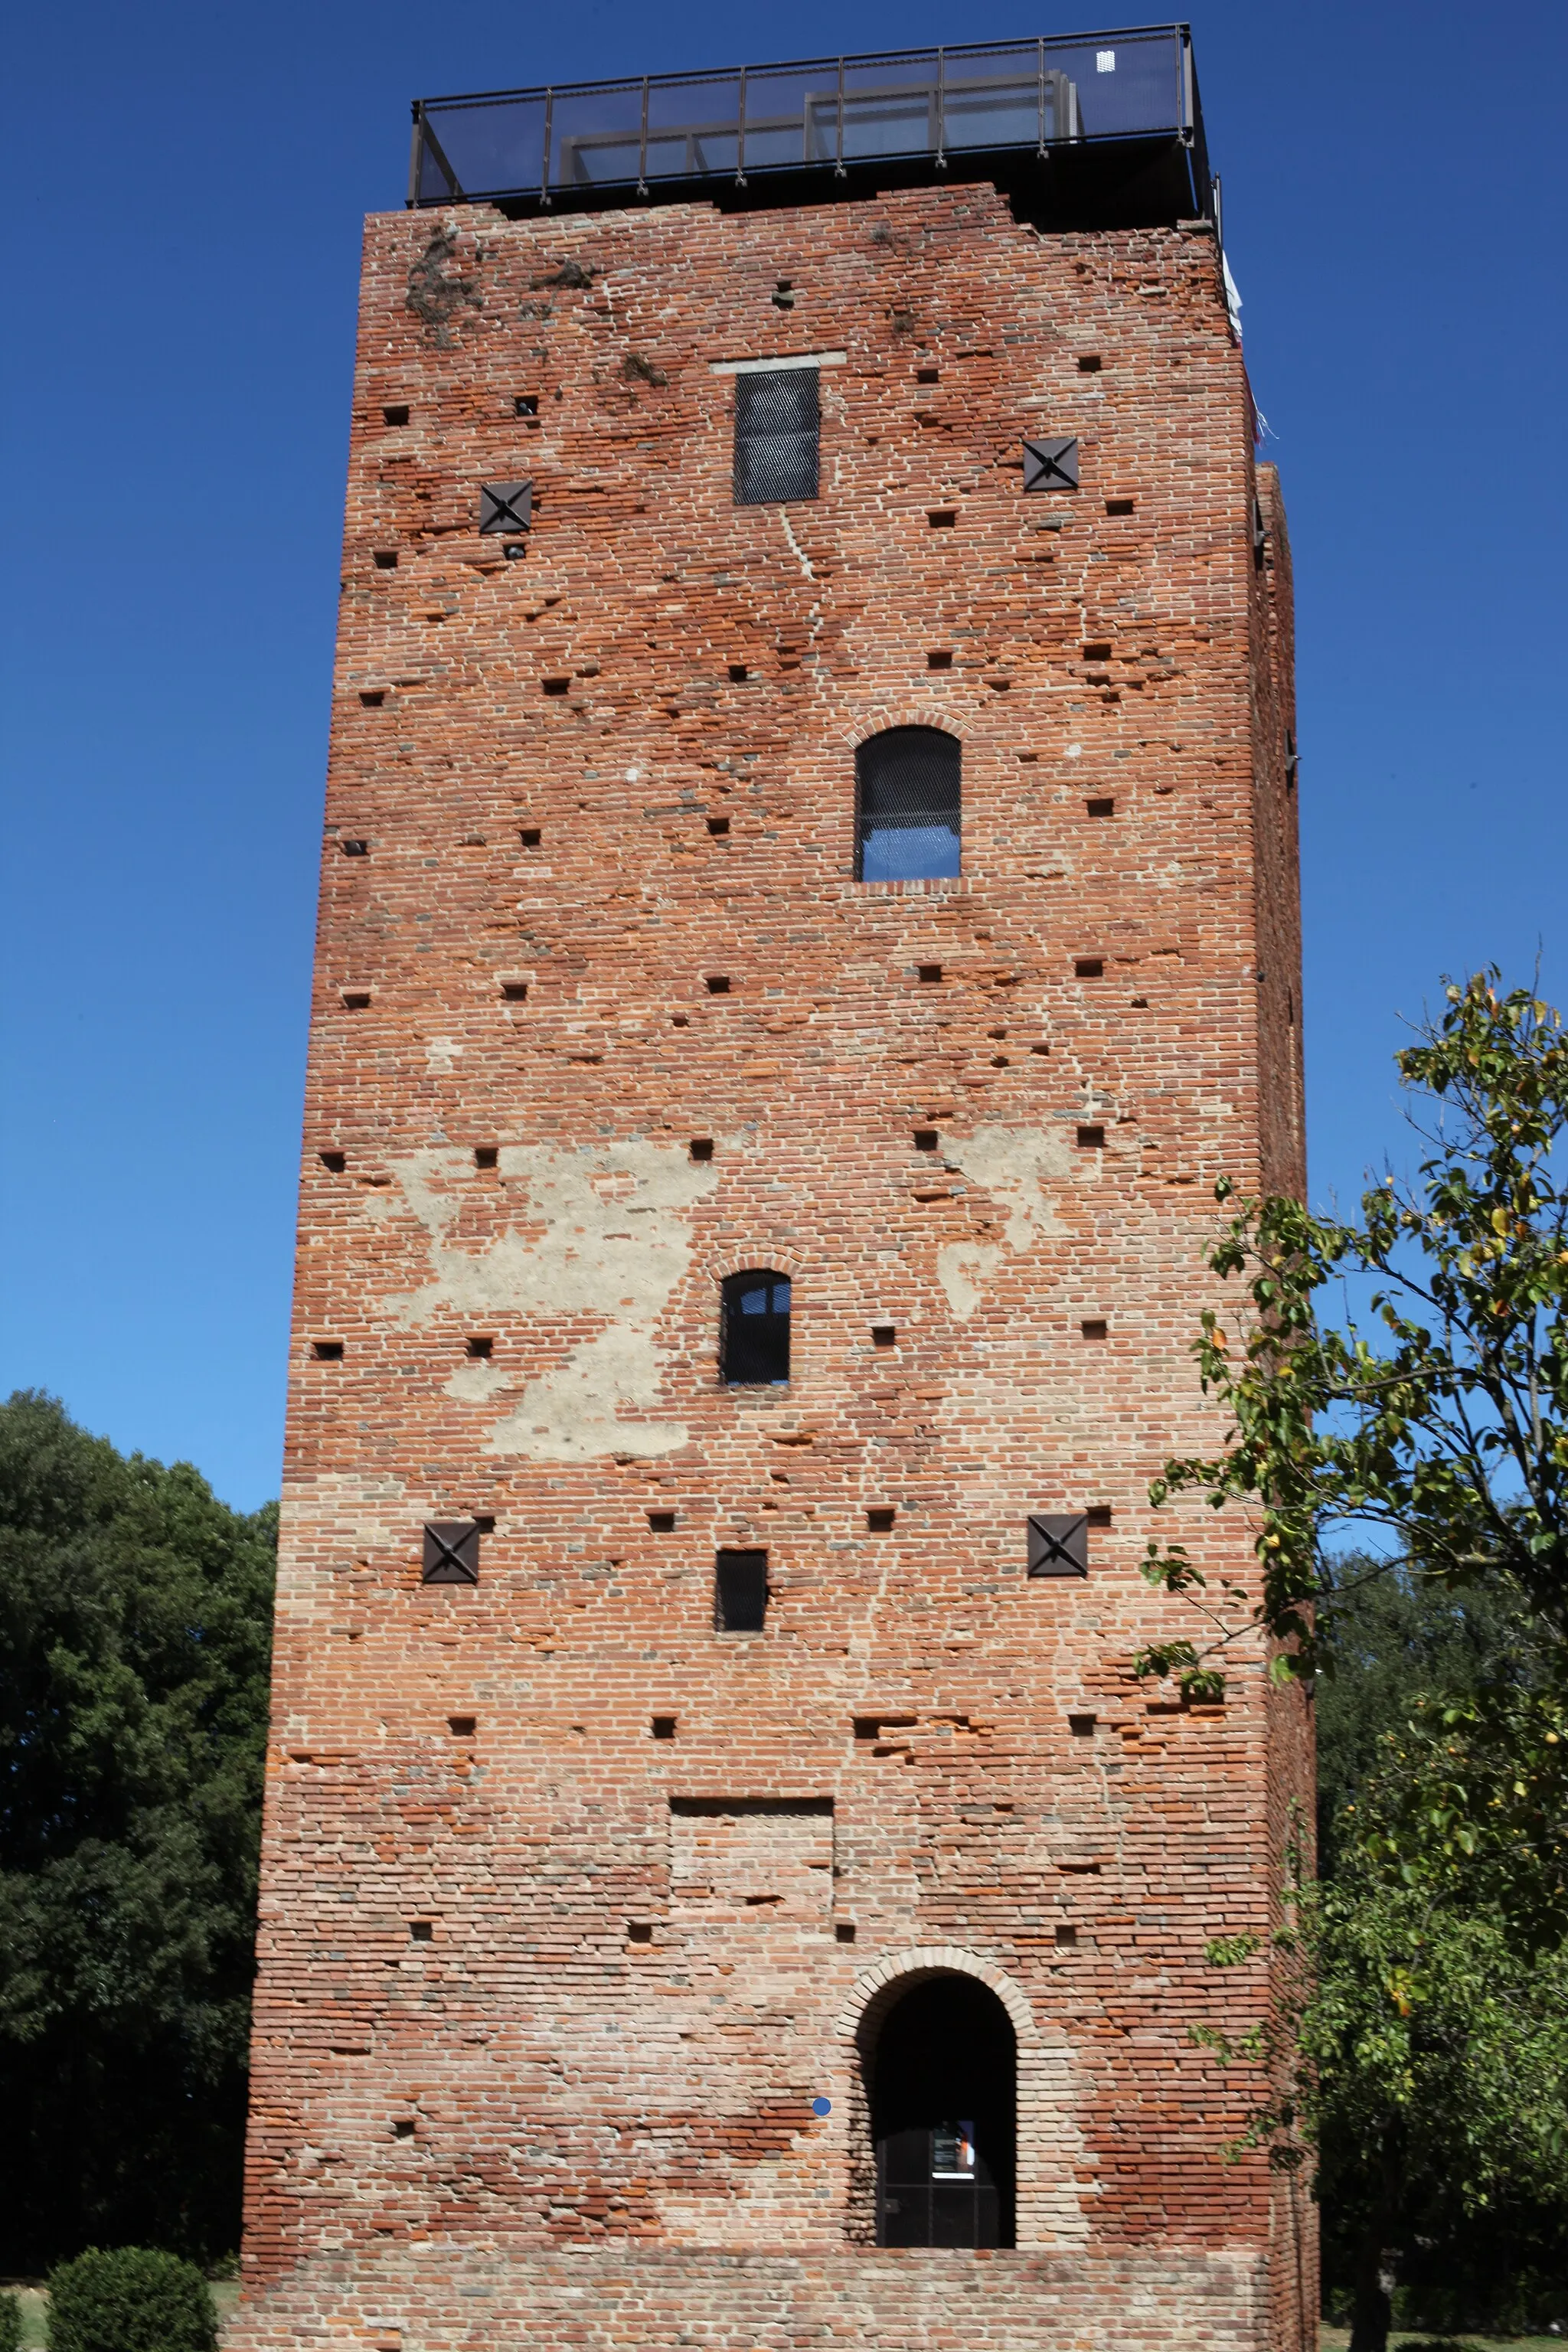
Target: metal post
{"type": "Point", "coordinates": [1040, 149]}
{"type": "Point", "coordinates": [941, 110]}
{"type": "Point", "coordinates": [544, 182]}
{"type": "Point", "coordinates": [642, 150]}
{"type": "Point", "coordinates": [433, 148]}
{"type": "Point", "coordinates": [740, 134]}
{"type": "Point", "coordinates": [838, 171]}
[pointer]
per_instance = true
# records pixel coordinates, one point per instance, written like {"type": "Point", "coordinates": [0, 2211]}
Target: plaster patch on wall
{"type": "Point", "coordinates": [476, 1384]}
{"type": "Point", "coordinates": [441, 1054]}
{"type": "Point", "coordinates": [1014, 1164]}
{"type": "Point", "coordinates": [605, 1236]}
{"type": "Point", "coordinates": [573, 1413]}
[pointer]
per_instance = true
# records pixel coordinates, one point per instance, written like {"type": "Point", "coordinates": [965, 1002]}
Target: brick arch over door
{"type": "Point", "coordinates": [1051, 2153]}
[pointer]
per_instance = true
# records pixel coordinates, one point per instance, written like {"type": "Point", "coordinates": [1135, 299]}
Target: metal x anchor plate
{"type": "Point", "coordinates": [1058, 1543]}
{"type": "Point", "coordinates": [451, 1553]}
{"type": "Point", "coordinates": [506, 507]}
{"type": "Point", "coordinates": [1050, 465]}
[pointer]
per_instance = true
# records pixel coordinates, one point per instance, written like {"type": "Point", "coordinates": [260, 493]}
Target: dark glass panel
{"type": "Point", "coordinates": [754, 1341]}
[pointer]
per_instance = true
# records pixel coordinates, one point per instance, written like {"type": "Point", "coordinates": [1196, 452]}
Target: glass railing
{"type": "Point", "coordinates": [827, 114]}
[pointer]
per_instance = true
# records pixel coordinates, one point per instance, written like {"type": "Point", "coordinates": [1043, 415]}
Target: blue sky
{"type": "Point", "coordinates": [184, 193]}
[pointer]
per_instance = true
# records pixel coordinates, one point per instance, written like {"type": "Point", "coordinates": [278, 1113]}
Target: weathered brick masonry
{"type": "Point", "coordinates": [543, 2004]}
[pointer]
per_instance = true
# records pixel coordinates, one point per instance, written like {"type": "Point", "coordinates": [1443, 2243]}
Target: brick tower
{"type": "Point", "coordinates": [808, 909]}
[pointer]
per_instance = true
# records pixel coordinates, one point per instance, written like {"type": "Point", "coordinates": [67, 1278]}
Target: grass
{"type": "Point", "coordinates": [1334, 2339]}
{"type": "Point", "coordinates": [35, 2308]}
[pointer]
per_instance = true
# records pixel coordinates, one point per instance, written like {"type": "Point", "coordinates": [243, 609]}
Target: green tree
{"type": "Point", "coordinates": [1414, 2052]}
{"type": "Point", "coordinates": [136, 1615]}
{"type": "Point", "coordinates": [1391, 1641]}
{"type": "Point", "coordinates": [1417, 2039]}
{"type": "Point", "coordinates": [1435, 2050]}
{"type": "Point", "coordinates": [1444, 1433]}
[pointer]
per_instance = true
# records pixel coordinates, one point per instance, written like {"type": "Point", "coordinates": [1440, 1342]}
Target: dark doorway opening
{"type": "Point", "coordinates": [942, 2085]}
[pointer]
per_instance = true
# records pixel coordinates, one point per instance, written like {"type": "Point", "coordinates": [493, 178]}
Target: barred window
{"type": "Point", "coordinates": [908, 792]}
{"type": "Point", "coordinates": [775, 437]}
{"type": "Point", "coordinates": [754, 1346]}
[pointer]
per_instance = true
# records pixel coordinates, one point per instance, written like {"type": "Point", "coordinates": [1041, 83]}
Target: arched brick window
{"type": "Point", "coordinates": [753, 1338]}
{"type": "Point", "coordinates": [907, 805]}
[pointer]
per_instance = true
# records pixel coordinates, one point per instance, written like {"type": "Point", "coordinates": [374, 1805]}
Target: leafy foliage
{"type": "Point", "coordinates": [1465, 2243]}
{"type": "Point", "coordinates": [1396, 1389]}
{"type": "Point", "coordinates": [134, 2299]}
{"type": "Point", "coordinates": [1422, 2058]}
{"type": "Point", "coordinates": [10, 2323]}
{"type": "Point", "coordinates": [135, 1634]}
{"type": "Point", "coordinates": [1445, 1434]}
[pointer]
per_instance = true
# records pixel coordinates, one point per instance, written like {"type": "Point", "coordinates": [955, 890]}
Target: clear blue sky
{"type": "Point", "coordinates": [185, 186]}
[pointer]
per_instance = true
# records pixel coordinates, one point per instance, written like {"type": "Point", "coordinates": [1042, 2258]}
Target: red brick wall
{"type": "Point", "coordinates": [532, 2075]}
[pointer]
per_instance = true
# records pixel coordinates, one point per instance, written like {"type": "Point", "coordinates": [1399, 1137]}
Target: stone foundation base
{"type": "Point", "coordinates": [440, 2297]}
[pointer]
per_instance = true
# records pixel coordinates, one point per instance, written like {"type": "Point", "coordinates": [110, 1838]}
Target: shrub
{"type": "Point", "coordinates": [133, 2299]}
{"type": "Point", "coordinates": [10, 2323]}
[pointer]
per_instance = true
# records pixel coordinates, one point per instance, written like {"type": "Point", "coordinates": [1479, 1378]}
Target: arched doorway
{"type": "Point", "coordinates": [941, 2080]}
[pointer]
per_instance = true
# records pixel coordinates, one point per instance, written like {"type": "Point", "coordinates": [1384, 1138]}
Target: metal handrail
{"type": "Point", "coordinates": [498, 160]}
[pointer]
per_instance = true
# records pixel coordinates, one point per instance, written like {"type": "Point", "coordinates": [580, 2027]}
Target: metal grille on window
{"type": "Point", "coordinates": [908, 789]}
{"type": "Point", "coordinates": [740, 1592]}
{"type": "Point", "coordinates": [451, 1553]}
{"type": "Point", "coordinates": [775, 437]}
{"type": "Point", "coordinates": [1058, 1543]}
{"type": "Point", "coordinates": [755, 1339]}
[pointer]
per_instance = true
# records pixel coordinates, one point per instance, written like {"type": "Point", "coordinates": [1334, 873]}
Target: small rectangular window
{"type": "Point", "coordinates": [776, 425]}
{"type": "Point", "coordinates": [740, 1592]}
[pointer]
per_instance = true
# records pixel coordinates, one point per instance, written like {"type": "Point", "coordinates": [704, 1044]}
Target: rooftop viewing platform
{"type": "Point", "coordinates": [1095, 129]}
